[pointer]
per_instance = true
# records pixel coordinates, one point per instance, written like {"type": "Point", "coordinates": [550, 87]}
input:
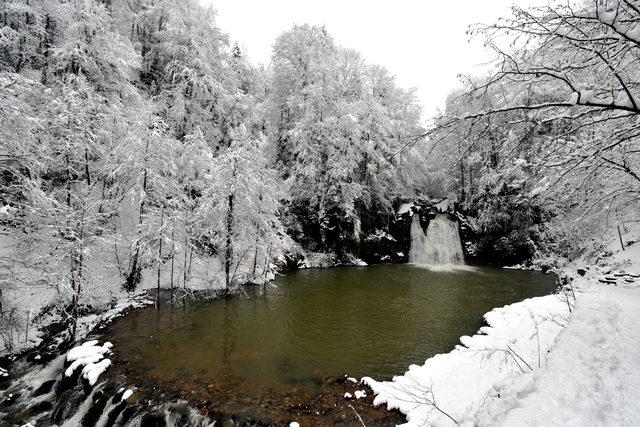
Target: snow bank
{"type": "Point", "coordinates": [536, 365]}
{"type": "Point", "coordinates": [592, 375]}
{"type": "Point", "coordinates": [448, 386]}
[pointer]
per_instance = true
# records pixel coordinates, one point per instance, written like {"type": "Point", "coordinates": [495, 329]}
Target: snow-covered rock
{"type": "Point", "coordinates": [91, 357]}
{"type": "Point", "coordinates": [92, 371]}
{"type": "Point", "coordinates": [405, 207]}
{"type": "Point", "coordinates": [127, 394]}
{"type": "Point", "coordinates": [443, 206]}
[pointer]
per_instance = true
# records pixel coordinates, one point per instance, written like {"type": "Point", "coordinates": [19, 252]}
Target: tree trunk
{"type": "Point", "coordinates": [255, 254]}
{"type": "Point", "coordinates": [72, 260]}
{"type": "Point", "coordinates": [173, 257]}
{"type": "Point", "coordinates": [86, 167]}
{"type": "Point", "coordinates": [462, 182]}
{"type": "Point", "coordinates": [134, 274]}
{"type": "Point", "coordinates": [228, 253]}
{"type": "Point", "coordinates": [255, 260]}
{"type": "Point", "coordinates": [159, 260]}
{"type": "Point", "coordinates": [184, 266]}
{"type": "Point", "coordinates": [79, 266]}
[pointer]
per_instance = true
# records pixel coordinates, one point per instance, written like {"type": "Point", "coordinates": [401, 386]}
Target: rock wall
{"type": "Point", "coordinates": [383, 238]}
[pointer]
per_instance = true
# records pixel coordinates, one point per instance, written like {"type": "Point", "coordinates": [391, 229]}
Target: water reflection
{"type": "Point", "coordinates": [317, 324]}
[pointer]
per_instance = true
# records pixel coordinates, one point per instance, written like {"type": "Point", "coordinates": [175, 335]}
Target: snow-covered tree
{"type": "Point", "coordinates": [62, 202]}
{"type": "Point", "coordinates": [339, 128]}
{"type": "Point", "coordinates": [240, 208]}
{"type": "Point", "coordinates": [573, 74]}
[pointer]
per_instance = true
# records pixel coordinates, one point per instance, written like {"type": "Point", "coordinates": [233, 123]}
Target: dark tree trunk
{"type": "Point", "coordinates": [134, 276]}
{"type": "Point", "coordinates": [228, 253]}
{"type": "Point", "coordinates": [159, 260]}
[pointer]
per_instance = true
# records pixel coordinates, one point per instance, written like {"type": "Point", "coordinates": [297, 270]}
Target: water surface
{"type": "Point", "coordinates": [319, 323]}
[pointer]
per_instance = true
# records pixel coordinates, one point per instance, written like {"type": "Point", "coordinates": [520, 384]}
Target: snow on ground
{"type": "Point", "coordinates": [327, 260]}
{"type": "Point", "coordinates": [593, 372]}
{"type": "Point", "coordinates": [357, 262]}
{"type": "Point", "coordinates": [467, 375]}
{"type": "Point", "coordinates": [87, 323]}
{"type": "Point", "coordinates": [536, 364]}
{"type": "Point", "coordinates": [318, 260]}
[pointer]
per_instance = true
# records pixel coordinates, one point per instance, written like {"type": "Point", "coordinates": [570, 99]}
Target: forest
{"type": "Point", "coordinates": [141, 150]}
{"type": "Point", "coordinates": [137, 141]}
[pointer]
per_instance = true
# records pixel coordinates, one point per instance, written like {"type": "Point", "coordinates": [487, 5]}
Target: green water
{"type": "Point", "coordinates": [317, 324]}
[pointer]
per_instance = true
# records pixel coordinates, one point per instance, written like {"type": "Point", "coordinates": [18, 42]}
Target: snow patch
{"type": "Point", "coordinates": [360, 394]}
{"type": "Point", "coordinates": [91, 357]}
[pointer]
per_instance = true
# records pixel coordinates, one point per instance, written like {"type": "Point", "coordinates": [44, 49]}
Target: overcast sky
{"type": "Point", "coordinates": [422, 42]}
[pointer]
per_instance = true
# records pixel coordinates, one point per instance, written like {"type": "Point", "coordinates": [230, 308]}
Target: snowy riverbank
{"type": "Point", "coordinates": [537, 362]}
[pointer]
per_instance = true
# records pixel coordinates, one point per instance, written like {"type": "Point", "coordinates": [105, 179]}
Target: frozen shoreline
{"type": "Point", "coordinates": [447, 385]}
{"type": "Point", "coordinates": [537, 362]}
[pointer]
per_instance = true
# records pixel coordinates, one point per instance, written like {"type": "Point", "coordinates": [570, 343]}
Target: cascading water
{"type": "Point", "coordinates": [439, 246]}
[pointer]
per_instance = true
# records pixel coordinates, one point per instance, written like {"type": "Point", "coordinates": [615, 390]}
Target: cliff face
{"type": "Point", "coordinates": [380, 238]}
{"type": "Point", "coordinates": [392, 241]}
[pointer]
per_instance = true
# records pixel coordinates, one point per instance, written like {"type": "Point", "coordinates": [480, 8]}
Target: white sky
{"type": "Point", "coordinates": [422, 42]}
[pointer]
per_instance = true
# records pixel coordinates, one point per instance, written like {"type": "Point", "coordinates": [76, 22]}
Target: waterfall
{"type": "Point", "coordinates": [440, 245]}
